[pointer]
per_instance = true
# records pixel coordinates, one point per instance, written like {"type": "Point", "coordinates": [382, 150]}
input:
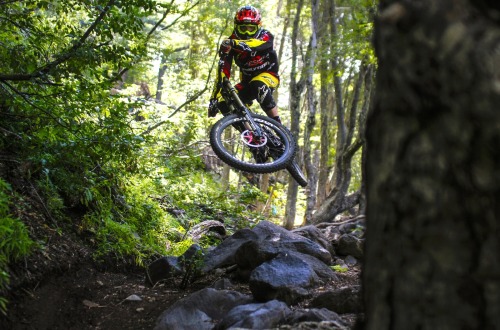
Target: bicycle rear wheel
{"type": "Point", "coordinates": [241, 149]}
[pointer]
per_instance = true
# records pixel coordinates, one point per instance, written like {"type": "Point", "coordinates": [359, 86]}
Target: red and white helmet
{"type": "Point", "coordinates": [248, 15]}
{"type": "Point", "coordinates": [247, 22]}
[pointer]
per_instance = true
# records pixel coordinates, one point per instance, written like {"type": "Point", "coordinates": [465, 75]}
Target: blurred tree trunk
{"type": "Point", "coordinates": [326, 104]}
{"type": "Point", "coordinates": [226, 169]}
{"type": "Point", "coordinates": [161, 73]}
{"type": "Point", "coordinates": [163, 68]}
{"type": "Point", "coordinates": [310, 170]}
{"type": "Point", "coordinates": [264, 187]}
{"type": "Point", "coordinates": [296, 89]}
{"type": "Point", "coordinates": [433, 168]}
{"type": "Point", "coordinates": [338, 200]}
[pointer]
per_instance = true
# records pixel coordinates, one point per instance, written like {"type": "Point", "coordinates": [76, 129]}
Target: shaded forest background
{"type": "Point", "coordinates": [103, 121]}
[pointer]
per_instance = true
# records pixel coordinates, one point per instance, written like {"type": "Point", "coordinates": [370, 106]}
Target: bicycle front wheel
{"type": "Point", "coordinates": [294, 169]}
{"type": "Point", "coordinates": [241, 149]}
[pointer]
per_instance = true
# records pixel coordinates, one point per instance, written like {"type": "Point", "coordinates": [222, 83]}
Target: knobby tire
{"type": "Point", "coordinates": [294, 169]}
{"type": "Point", "coordinates": [274, 164]}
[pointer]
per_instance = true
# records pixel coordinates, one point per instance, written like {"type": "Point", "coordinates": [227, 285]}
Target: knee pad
{"type": "Point", "coordinates": [264, 95]}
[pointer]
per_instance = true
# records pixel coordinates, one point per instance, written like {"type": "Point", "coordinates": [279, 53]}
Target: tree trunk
{"type": "Point", "coordinates": [311, 170]}
{"type": "Point", "coordinates": [264, 187]}
{"type": "Point", "coordinates": [163, 68]}
{"type": "Point", "coordinates": [433, 169]}
{"type": "Point", "coordinates": [161, 73]}
{"type": "Point", "coordinates": [296, 89]}
{"type": "Point", "coordinates": [338, 199]}
{"type": "Point", "coordinates": [326, 106]}
{"type": "Point", "coordinates": [361, 134]}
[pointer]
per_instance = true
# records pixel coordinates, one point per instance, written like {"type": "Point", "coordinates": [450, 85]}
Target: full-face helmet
{"type": "Point", "coordinates": [247, 22]}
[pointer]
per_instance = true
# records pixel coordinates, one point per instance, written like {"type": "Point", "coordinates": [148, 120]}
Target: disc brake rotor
{"type": "Point", "coordinates": [253, 141]}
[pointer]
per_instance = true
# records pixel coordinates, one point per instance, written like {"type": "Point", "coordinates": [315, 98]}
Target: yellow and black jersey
{"type": "Point", "coordinates": [258, 57]}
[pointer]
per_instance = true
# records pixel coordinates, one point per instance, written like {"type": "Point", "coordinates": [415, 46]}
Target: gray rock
{"type": "Point", "coordinates": [350, 245]}
{"type": "Point", "coordinates": [286, 278]}
{"type": "Point", "coordinates": [253, 253]}
{"type": "Point", "coordinates": [350, 261]}
{"type": "Point", "coordinates": [223, 254]}
{"type": "Point", "coordinates": [200, 310]}
{"type": "Point", "coordinates": [249, 248]}
{"type": "Point", "coordinates": [316, 235]}
{"type": "Point", "coordinates": [342, 301]}
{"type": "Point", "coordinates": [256, 316]}
{"type": "Point", "coordinates": [162, 269]}
{"type": "Point", "coordinates": [222, 284]}
{"type": "Point", "coordinates": [314, 315]}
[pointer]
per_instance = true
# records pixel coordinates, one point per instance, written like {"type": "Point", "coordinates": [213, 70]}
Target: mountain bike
{"type": "Point", "coordinates": [251, 142]}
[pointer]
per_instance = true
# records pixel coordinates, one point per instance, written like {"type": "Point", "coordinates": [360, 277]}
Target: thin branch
{"type": "Point", "coordinates": [10, 133]}
{"type": "Point", "coordinates": [27, 100]}
{"type": "Point", "coordinates": [182, 15]}
{"type": "Point", "coordinates": [338, 223]}
{"type": "Point", "coordinates": [177, 150]}
{"type": "Point", "coordinates": [64, 57]}
{"type": "Point", "coordinates": [160, 21]}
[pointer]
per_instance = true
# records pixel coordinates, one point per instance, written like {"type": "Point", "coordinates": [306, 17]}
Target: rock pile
{"type": "Point", "coordinates": [282, 268]}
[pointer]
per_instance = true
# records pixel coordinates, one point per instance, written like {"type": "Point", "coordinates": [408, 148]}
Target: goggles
{"type": "Point", "coordinates": [248, 29]}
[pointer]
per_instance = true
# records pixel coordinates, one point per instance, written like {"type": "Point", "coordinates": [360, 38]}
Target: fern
{"type": "Point", "coordinates": [14, 241]}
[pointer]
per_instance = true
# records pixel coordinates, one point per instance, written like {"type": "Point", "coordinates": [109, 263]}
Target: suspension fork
{"type": "Point", "coordinates": [249, 123]}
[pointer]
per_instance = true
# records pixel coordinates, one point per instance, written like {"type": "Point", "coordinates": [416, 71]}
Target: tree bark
{"type": "Point", "coordinates": [311, 170]}
{"type": "Point", "coordinates": [161, 72]}
{"type": "Point", "coordinates": [433, 169]}
{"type": "Point", "coordinates": [296, 89]}
{"type": "Point", "coordinates": [326, 106]}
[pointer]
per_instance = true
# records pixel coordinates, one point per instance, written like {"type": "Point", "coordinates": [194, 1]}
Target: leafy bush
{"type": "Point", "coordinates": [14, 241]}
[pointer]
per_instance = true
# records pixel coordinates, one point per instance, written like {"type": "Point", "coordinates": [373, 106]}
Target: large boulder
{"type": "Point", "coordinates": [249, 248]}
{"type": "Point", "coordinates": [286, 277]}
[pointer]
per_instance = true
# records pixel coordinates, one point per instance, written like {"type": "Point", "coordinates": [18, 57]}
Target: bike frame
{"type": "Point", "coordinates": [231, 97]}
{"type": "Point", "coordinates": [240, 110]}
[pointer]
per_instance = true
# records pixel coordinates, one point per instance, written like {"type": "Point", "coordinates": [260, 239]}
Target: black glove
{"type": "Point", "coordinates": [226, 46]}
{"type": "Point", "coordinates": [213, 107]}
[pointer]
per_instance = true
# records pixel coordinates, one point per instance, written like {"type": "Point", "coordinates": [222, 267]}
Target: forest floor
{"type": "Point", "coordinates": [61, 287]}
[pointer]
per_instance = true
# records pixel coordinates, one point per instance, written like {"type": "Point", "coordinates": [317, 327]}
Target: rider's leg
{"type": "Point", "coordinates": [274, 114]}
{"type": "Point", "coordinates": [261, 88]}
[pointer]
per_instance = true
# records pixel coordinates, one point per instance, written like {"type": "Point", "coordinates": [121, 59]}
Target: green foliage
{"type": "Point", "coordinates": [128, 223]}
{"type": "Point", "coordinates": [251, 194]}
{"type": "Point", "coordinates": [14, 241]}
{"type": "Point", "coordinates": [59, 62]}
{"type": "Point", "coordinates": [178, 248]}
{"type": "Point", "coordinates": [69, 113]}
{"type": "Point", "coordinates": [340, 269]}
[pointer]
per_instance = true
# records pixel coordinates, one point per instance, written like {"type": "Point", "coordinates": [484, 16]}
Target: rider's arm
{"type": "Point", "coordinates": [227, 60]}
{"type": "Point", "coordinates": [263, 43]}
{"type": "Point", "coordinates": [226, 66]}
{"type": "Point", "coordinates": [255, 45]}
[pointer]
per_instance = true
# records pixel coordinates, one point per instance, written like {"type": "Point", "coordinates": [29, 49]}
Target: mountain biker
{"type": "Point", "coordinates": [252, 49]}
